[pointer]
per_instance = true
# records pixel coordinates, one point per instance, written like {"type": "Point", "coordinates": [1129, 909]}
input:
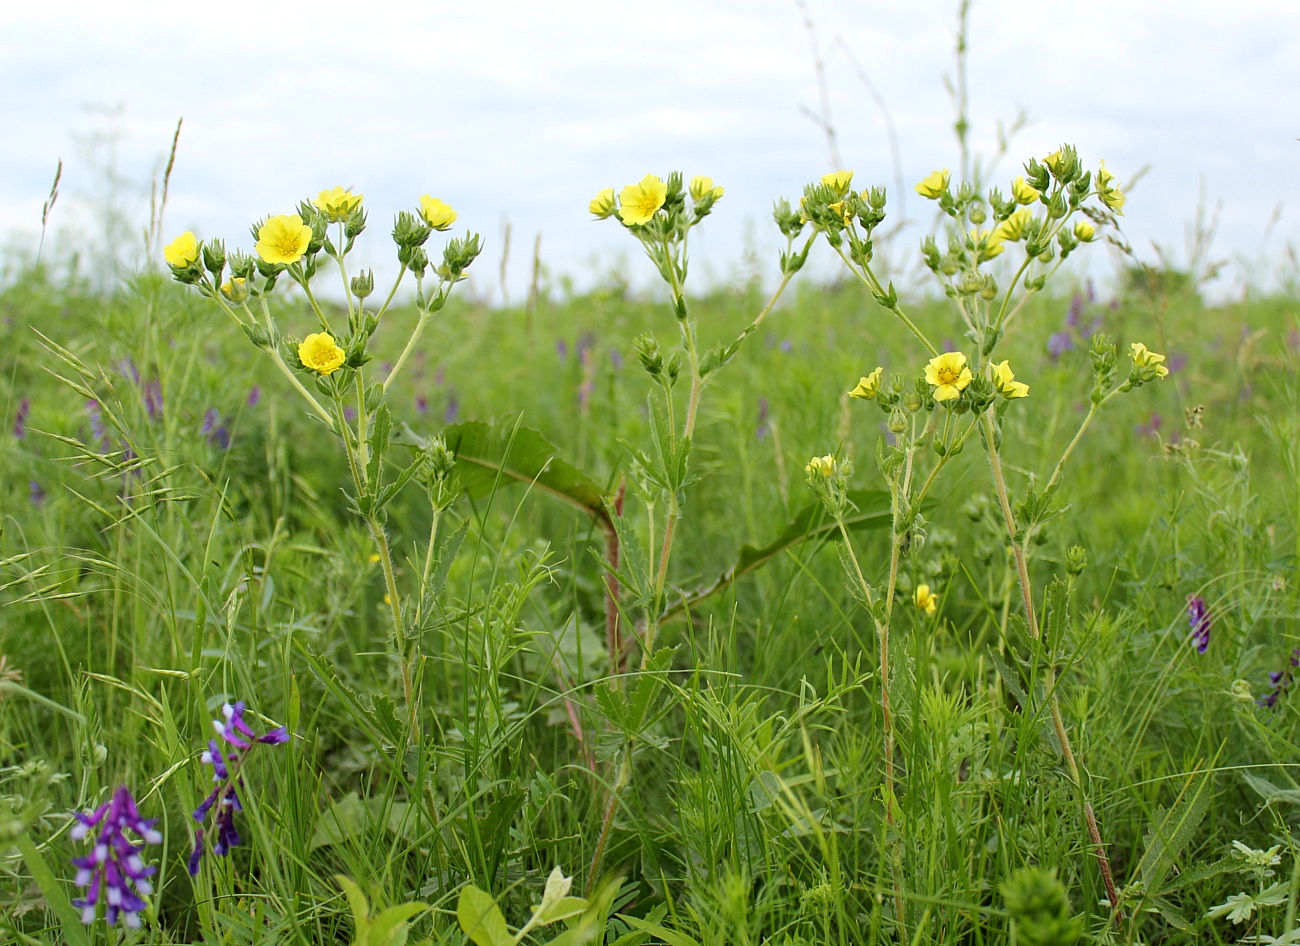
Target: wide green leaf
{"type": "Point", "coordinates": [480, 918]}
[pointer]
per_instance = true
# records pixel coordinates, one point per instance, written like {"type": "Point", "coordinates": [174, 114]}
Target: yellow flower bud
{"type": "Point", "coordinates": [321, 354]}
{"type": "Point", "coordinates": [1109, 193]}
{"type": "Point", "coordinates": [701, 186]}
{"type": "Point", "coordinates": [869, 385]}
{"type": "Point", "coordinates": [1023, 191]}
{"type": "Point", "coordinates": [337, 204]}
{"type": "Point", "coordinates": [925, 599]}
{"type": "Point", "coordinates": [1084, 232]}
{"type": "Point", "coordinates": [838, 181]}
{"type": "Point", "coordinates": [639, 202]}
{"type": "Point", "coordinates": [435, 213]}
{"type": "Point", "coordinates": [1012, 229]}
{"type": "Point", "coordinates": [1145, 358]}
{"type": "Point", "coordinates": [235, 289]}
{"type": "Point", "coordinates": [182, 251]}
{"type": "Point", "coordinates": [602, 205]}
{"type": "Point", "coordinates": [283, 239]}
{"type": "Point", "coordinates": [934, 184]}
{"type": "Point", "coordinates": [823, 466]}
{"type": "Point", "coordinates": [1005, 382]}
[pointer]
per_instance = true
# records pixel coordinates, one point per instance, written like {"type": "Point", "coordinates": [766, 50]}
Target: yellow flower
{"type": "Point", "coordinates": [436, 214]}
{"type": "Point", "coordinates": [838, 181]}
{"type": "Point", "coordinates": [1145, 358]}
{"type": "Point", "coordinates": [1012, 229]}
{"type": "Point", "coordinates": [949, 375]}
{"type": "Point", "coordinates": [321, 354]}
{"type": "Point", "coordinates": [283, 239]}
{"type": "Point", "coordinates": [824, 466]}
{"type": "Point", "coordinates": [990, 239]}
{"type": "Point", "coordinates": [1023, 191]}
{"type": "Point", "coordinates": [925, 599]}
{"type": "Point", "coordinates": [639, 202]}
{"type": "Point", "coordinates": [1109, 193]}
{"type": "Point", "coordinates": [602, 205]}
{"type": "Point", "coordinates": [1084, 232]}
{"type": "Point", "coordinates": [869, 385]}
{"type": "Point", "coordinates": [700, 186]}
{"type": "Point", "coordinates": [337, 204]}
{"type": "Point", "coordinates": [182, 251]}
{"type": "Point", "coordinates": [374, 558]}
{"type": "Point", "coordinates": [934, 184]}
{"type": "Point", "coordinates": [1005, 381]}
{"type": "Point", "coordinates": [1053, 161]}
{"type": "Point", "coordinates": [235, 289]}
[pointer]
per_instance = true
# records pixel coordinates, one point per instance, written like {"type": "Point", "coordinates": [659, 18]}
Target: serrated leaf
{"type": "Point", "coordinates": [480, 918]}
{"type": "Point", "coordinates": [1270, 792]}
{"type": "Point", "coordinates": [870, 510]}
{"type": "Point", "coordinates": [1170, 832]}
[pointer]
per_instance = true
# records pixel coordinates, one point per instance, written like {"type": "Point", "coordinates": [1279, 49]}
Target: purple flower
{"type": "Point", "coordinates": [1151, 427]}
{"type": "Point", "coordinates": [761, 432]}
{"type": "Point", "coordinates": [561, 349]}
{"type": "Point", "coordinates": [1076, 310]}
{"type": "Point", "coordinates": [254, 395]}
{"type": "Point", "coordinates": [453, 409]}
{"type": "Point", "coordinates": [37, 493]}
{"type": "Point", "coordinates": [615, 359]}
{"type": "Point", "coordinates": [1281, 681]}
{"type": "Point", "coordinates": [1058, 343]}
{"type": "Point", "coordinates": [1198, 615]}
{"type": "Point", "coordinates": [97, 430]}
{"type": "Point", "coordinates": [20, 418]}
{"type": "Point", "coordinates": [349, 413]}
{"type": "Point", "coordinates": [217, 433]}
{"type": "Point", "coordinates": [128, 370]}
{"type": "Point", "coordinates": [153, 399]}
{"type": "Point", "coordinates": [114, 871]}
{"type": "Point", "coordinates": [421, 404]}
{"type": "Point", "coordinates": [226, 767]}
{"type": "Point", "coordinates": [1177, 362]}
{"type": "Point", "coordinates": [786, 346]}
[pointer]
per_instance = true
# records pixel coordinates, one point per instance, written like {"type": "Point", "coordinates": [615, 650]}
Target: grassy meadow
{"type": "Point", "coordinates": [180, 532]}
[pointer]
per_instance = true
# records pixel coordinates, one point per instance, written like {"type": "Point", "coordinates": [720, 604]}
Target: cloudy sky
{"type": "Point", "coordinates": [521, 110]}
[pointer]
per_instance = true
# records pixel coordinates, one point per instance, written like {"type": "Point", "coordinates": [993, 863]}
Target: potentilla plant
{"type": "Point", "coordinates": [327, 367]}
{"type": "Point", "coordinates": [934, 406]}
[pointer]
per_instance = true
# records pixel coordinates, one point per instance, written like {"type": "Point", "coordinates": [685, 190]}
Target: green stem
{"type": "Point", "coordinates": [293, 379]}
{"type": "Point", "coordinates": [425, 315]}
{"type": "Point", "coordinates": [868, 279]}
{"type": "Point", "coordinates": [1054, 703]}
{"type": "Point", "coordinates": [343, 271]}
{"type": "Point", "coordinates": [392, 292]}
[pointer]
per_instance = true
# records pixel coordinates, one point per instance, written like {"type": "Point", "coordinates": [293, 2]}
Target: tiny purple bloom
{"type": "Point", "coordinates": [762, 431]}
{"type": "Point", "coordinates": [1076, 310]}
{"type": "Point", "coordinates": [786, 346]}
{"type": "Point", "coordinates": [254, 395]}
{"type": "Point", "coordinates": [421, 404]}
{"type": "Point", "coordinates": [153, 399]}
{"type": "Point", "coordinates": [615, 359]}
{"type": "Point", "coordinates": [20, 418]}
{"type": "Point", "coordinates": [1198, 615]}
{"type": "Point", "coordinates": [453, 409]}
{"type": "Point", "coordinates": [349, 414]}
{"type": "Point", "coordinates": [1058, 343]}
{"type": "Point", "coordinates": [97, 430]}
{"type": "Point", "coordinates": [37, 494]}
{"type": "Point", "coordinates": [1177, 362]}
{"type": "Point", "coordinates": [114, 871]}
{"type": "Point", "coordinates": [561, 349]}
{"type": "Point", "coordinates": [1151, 427]}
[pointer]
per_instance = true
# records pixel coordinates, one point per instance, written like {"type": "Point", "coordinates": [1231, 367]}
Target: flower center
{"type": "Point", "coordinates": [948, 375]}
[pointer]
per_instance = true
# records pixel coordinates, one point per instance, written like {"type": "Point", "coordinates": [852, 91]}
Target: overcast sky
{"type": "Point", "coordinates": [522, 110]}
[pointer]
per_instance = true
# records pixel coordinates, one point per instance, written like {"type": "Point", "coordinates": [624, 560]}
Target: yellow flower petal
{"type": "Point", "coordinates": [320, 353]}
{"type": "Point", "coordinates": [934, 184]}
{"type": "Point", "coordinates": [639, 202]}
{"type": "Point", "coordinates": [182, 251]}
{"type": "Point", "coordinates": [283, 239]}
{"type": "Point", "coordinates": [436, 214]}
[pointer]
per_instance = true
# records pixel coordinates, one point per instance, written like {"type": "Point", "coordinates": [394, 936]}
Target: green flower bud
{"type": "Point", "coordinates": [363, 283]}
{"type": "Point", "coordinates": [976, 214]}
{"type": "Point", "coordinates": [1076, 560]}
{"type": "Point", "coordinates": [897, 421]}
{"type": "Point", "coordinates": [1040, 909]}
{"type": "Point", "coordinates": [409, 231]}
{"type": "Point", "coordinates": [214, 258]}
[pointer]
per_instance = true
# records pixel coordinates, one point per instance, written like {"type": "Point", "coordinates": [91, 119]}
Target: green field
{"type": "Point", "coordinates": [177, 534]}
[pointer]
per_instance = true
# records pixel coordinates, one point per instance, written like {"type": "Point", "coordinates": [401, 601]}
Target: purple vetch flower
{"type": "Point", "coordinates": [1198, 615]}
{"type": "Point", "coordinates": [113, 871]}
{"type": "Point", "coordinates": [1076, 310]}
{"type": "Point", "coordinates": [1177, 362]}
{"type": "Point", "coordinates": [452, 412]}
{"type": "Point", "coordinates": [97, 429]}
{"type": "Point", "coordinates": [210, 419]}
{"type": "Point", "coordinates": [421, 404]}
{"type": "Point", "coordinates": [1293, 339]}
{"type": "Point", "coordinates": [20, 418]}
{"type": "Point", "coordinates": [226, 767]}
{"type": "Point", "coordinates": [37, 493]}
{"type": "Point", "coordinates": [1151, 427]}
{"type": "Point", "coordinates": [1281, 681]}
{"type": "Point", "coordinates": [439, 376]}
{"type": "Point", "coordinates": [761, 432]}
{"type": "Point", "coordinates": [786, 346]}
{"type": "Point", "coordinates": [218, 434]}
{"type": "Point", "coordinates": [153, 398]}
{"type": "Point", "coordinates": [126, 367]}
{"type": "Point", "coordinates": [1058, 343]}
{"type": "Point", "coordinates": [254, 395]}
{"type": "Point", "coordinates": [349, 413]}
{"type": "Point", "coordinates": [615, 359]}
{"type": "Point", "coordinates": [1092, 293]}
{"type": "Point", "coordinates": [561, 349]}
{"type": "Point", "coordinates": [1093, 328]}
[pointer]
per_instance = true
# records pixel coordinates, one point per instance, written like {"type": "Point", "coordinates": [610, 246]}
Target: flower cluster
{"type": "Point", "coordinates": [226, 767]}
{"type": "Point", "coordinates": [1198, 615]}
{"type": "Point", "coordinates": [113, 872]}
{"type": "Point", "coordinates": [1281, 681]}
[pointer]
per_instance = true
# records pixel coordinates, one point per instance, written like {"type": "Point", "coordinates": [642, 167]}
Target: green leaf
{"type": "Point", "coordinates": [389, 928]}
{"type": "Point", "coordinates": [668, 936]}
{"type": "Point", "coordinates": [360, 909]}
{"type": "Point", "coordinates": [870, 509]}
{"type": "Point", "coordinates": [1171, 831]}
{"type": "Point", "coordinates": [505, 452]}
{"type": "Point", "coordinates": [480, 918]}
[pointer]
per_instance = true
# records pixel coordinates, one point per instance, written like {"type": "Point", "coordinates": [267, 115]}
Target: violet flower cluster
{"type": "Point", "coordinates": [114, 872]}
{"type": "Point", "coordinates": [1281, 681]}
{"type": "Point", "coordinates": [1198, 615]}
{"type": "Point", "coordinates": [224, 801]}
